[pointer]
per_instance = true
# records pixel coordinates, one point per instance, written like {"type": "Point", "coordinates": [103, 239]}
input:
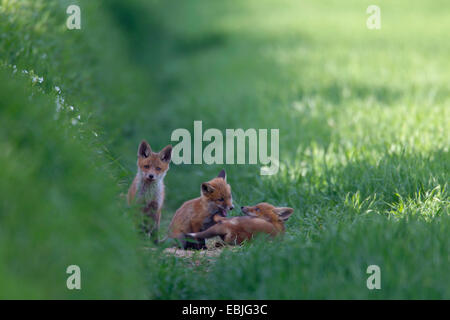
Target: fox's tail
{"type": "Point", "coordinates": [170, 242]}
{"type": "Point", "coordinates": [163, 239]}
{"type": "Point", "coordinates": [215, 230]}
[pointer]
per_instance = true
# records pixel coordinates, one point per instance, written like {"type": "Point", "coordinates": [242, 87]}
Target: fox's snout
{"type": "Point", "coordinates": [226, 208]}
{"type": "Point", "coordinates": [150, 177]}
{"type": "Point", "coordinates": [268, 211]}
{"type": "Point", "coordinates": [251, 211]}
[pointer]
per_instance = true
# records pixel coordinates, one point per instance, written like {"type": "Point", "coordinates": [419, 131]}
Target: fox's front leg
{"type": "Point", "coordinates": [152, 216]}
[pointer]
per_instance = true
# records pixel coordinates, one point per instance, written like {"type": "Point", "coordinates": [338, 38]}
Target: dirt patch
{"type": "Point", "coordinates": [214, 249]}
{"type": "Point", "coordinates": [180, 253]}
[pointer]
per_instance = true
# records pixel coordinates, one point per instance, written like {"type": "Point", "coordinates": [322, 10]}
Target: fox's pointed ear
{"type": "Point", "coordinates": [207, 188]}
{"type": "Point", "coordinates": [166, 153]}
{"type": "Point", "coordinates": [144, 149]}
{"type": "Point", "coordinates": [222, 174]}
{"type": "Point", "coordinates": [284, 212]}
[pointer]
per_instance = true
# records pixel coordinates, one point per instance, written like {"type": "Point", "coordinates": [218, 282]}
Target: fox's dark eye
{"type": "Point", "coordinates": [221, 199]}
{"type": "Point", "coordinates": [158, 169]}
{"type": "Point", "coordinates": [147, 166]}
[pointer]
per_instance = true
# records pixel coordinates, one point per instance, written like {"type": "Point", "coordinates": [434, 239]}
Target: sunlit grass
{"type": "Point", "coordinates": [363, 118]}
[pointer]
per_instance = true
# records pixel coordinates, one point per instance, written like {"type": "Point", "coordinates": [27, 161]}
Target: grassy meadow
{"type": "Point", "coordinates": [363, 116]}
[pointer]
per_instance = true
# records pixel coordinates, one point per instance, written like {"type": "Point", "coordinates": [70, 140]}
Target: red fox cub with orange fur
{"type": "Point", "coordinates": [262, 218]}
{"type": "Point", "coordinates": [197, 215]}
{"type": "Point", "coordinates": [147, 188]}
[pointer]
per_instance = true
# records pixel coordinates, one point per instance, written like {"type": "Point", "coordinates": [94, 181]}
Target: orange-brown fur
{"type": "Point", "coordinates": [262, 218]}
{"type": "Point", "coordinates": [147, 189]}
{"type": "Point", "coordinates": [197, 214]}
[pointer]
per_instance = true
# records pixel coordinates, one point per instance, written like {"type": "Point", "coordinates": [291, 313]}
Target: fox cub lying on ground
{"type": "Point", "coordinates": [147, 189]}
{"type": "Point", "coordinates": [262, 218]}
{"type": "Point", "coordinates": [197, 215]}
{"type": "Point", "coordinates": [203, 217]}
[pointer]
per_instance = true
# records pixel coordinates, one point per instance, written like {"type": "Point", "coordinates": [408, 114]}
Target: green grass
{"type": "Point", "coordinates": [363, 118]}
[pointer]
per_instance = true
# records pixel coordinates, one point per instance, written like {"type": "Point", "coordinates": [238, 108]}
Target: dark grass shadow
{"type": "Point", "coordinates": [143, 29]}
{"type": "Point", "coordinates": [193, 44]}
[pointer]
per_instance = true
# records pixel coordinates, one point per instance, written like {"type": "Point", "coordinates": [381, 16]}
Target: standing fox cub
{"type": "Point", "coordinates": [147, 188]}
{"type": "Point", "coordinates": [262, 218]}
{"type": "Point", "coordinates": [197, 215]}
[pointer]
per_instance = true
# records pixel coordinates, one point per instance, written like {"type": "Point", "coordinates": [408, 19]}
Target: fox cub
{"type": "Point", "coordinates": [262, 218]}
{"type": "Point", "coordinates": [147, 189]}
{"type": "Point", "coordinates": [197, 215]}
